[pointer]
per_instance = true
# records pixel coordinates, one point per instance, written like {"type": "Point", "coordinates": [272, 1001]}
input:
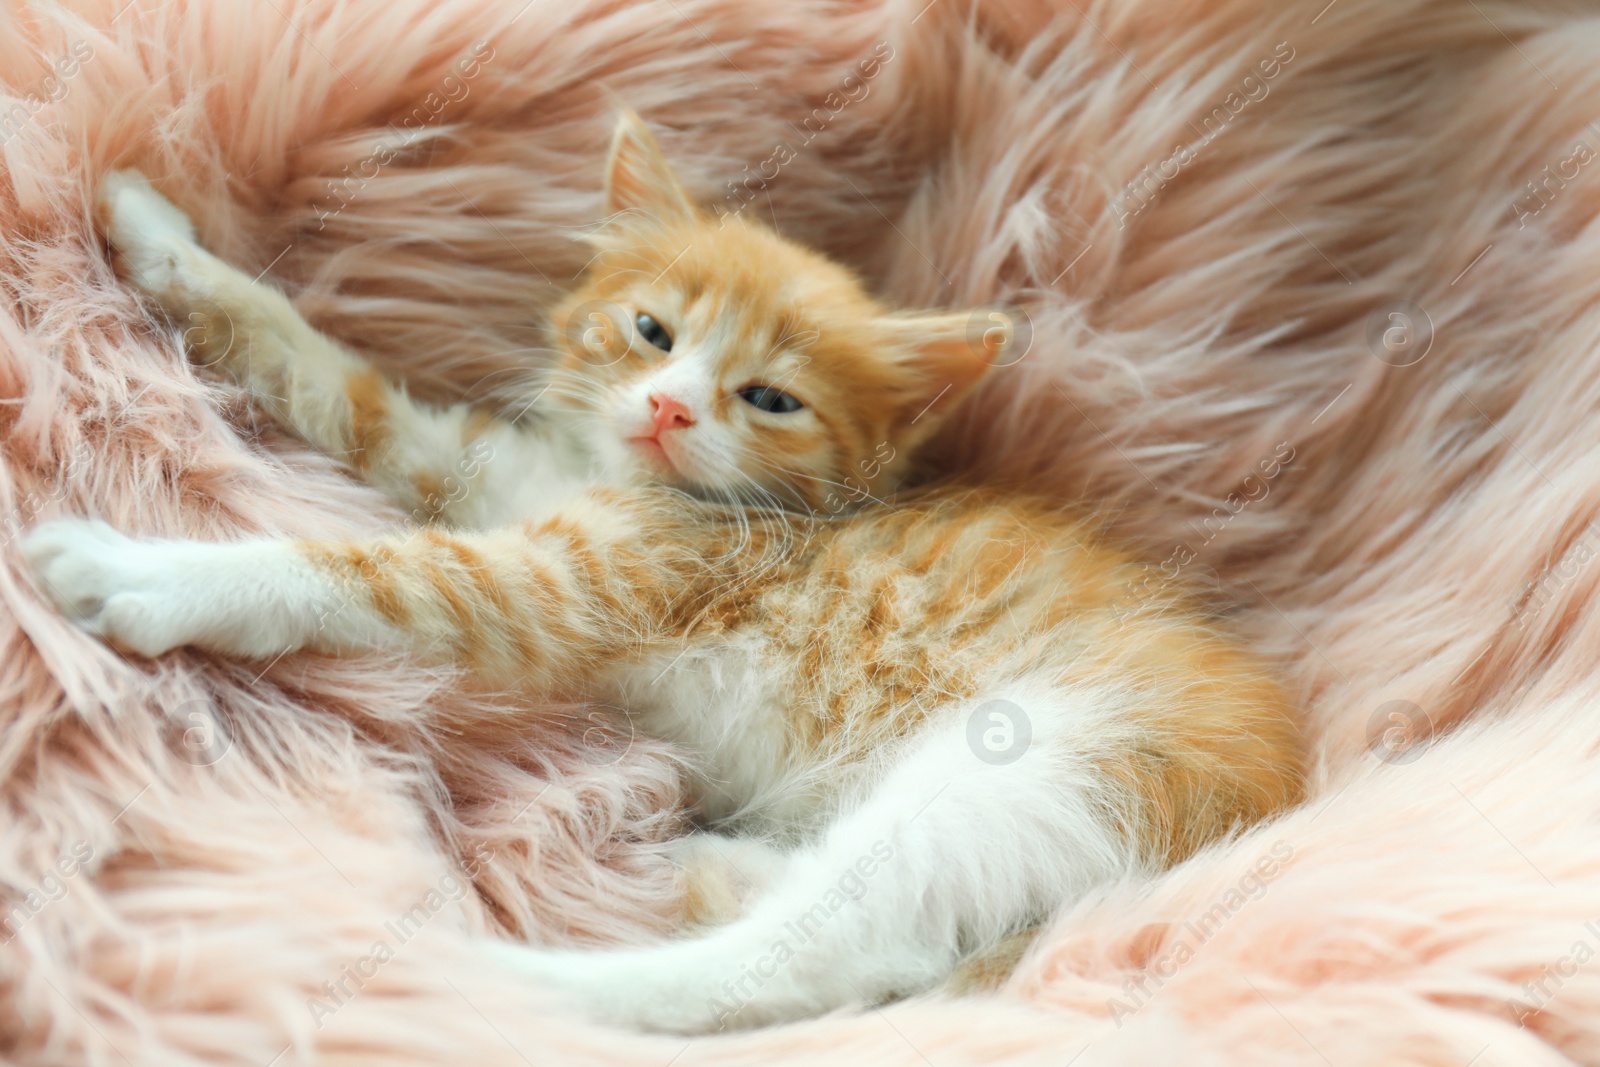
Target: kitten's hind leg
{"type": "Point", "coordinates": [431, 460]}
{"type": "Point", "coordinates": [952, 852]}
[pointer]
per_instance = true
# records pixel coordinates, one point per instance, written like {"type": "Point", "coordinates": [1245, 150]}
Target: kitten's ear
{"type": "Point", "coordinates": [947, 354]}
{"type": "Point", "coordinates": [638, 178]}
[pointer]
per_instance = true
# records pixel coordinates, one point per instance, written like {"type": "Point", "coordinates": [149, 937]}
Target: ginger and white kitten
{"type": "Point", "coordinates": [920, 725]}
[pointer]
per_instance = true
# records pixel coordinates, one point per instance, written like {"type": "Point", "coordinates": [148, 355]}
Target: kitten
{"type": "Point", "coordinates": [920, 725]}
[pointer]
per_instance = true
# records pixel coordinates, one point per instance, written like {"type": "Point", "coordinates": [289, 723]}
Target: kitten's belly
{"type": "Point", "coordinates": [722, 701]}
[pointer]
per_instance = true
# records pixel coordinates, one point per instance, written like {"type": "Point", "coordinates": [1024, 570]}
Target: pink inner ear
{"type": "Point", "coordinates": [638, 176]}
{"type": "Point", "coordinates": [629, 184]}
{"type": "Point", "coordinates": [945, 355]}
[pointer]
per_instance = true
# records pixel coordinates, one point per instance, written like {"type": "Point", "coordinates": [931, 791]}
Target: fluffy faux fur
{"type": "Point", "coordinates": [1213, 212]}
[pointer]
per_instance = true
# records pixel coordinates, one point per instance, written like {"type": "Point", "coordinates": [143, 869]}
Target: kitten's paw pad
{"type": "Point", "coordinates": [148, 232]}
{"type": "Point", "coordinates": [105, 582]}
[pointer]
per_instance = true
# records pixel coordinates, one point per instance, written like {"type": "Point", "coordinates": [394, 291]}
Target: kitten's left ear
{"type": "Point", "coordinates": [638, 178]}
{"type": "Point", "coordinates": [947, 354]}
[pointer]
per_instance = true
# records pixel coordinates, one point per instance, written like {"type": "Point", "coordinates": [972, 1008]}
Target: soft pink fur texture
{"type": "Point", "coordinates": [1170, 356]}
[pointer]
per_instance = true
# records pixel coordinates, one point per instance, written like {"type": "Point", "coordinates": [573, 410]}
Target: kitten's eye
{"type": "Point", "coordinates": [767, 398]}
{"type": "Point", "coordinates": [654, 332]}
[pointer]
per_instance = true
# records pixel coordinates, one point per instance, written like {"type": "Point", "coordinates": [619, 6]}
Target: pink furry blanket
{"type": "Point", "coordinates": [1312, 289]}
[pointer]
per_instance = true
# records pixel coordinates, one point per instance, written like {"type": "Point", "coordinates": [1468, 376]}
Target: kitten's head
{"type": "Point", "coordinates": [720, 358]}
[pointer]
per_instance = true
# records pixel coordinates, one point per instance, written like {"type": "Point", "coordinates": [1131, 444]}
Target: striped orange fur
{"type": "Point", "coordinates": [871, 621]}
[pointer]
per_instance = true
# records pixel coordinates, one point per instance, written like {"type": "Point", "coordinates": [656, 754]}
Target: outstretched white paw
{"type": "Point", "coordinates": [150, 234]}
{"type": "Point", "coordinates": [111, 585]}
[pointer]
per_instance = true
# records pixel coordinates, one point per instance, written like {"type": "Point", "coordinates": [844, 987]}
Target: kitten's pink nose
{"type": "Point", "coordinates": [669, 414]}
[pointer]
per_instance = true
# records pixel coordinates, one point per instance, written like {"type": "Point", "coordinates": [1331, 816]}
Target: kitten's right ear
{"type": "Point", "coordinates": [638, 178]}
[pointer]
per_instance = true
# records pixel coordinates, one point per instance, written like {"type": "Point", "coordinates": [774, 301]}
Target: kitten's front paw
{"type": "Point", "coordinates": [149, 233]}
{"type": "Point", "coordinates": [111, 585]}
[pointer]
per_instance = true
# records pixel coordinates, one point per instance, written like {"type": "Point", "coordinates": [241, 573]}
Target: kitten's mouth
{"type": "Point", "coordinates": [654, 452]}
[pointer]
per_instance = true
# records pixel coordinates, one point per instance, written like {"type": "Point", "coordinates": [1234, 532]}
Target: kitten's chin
{"type": "Point", "coordinates": [650, 454]}
{"type": "Point", "coordinates": [627, 461]}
